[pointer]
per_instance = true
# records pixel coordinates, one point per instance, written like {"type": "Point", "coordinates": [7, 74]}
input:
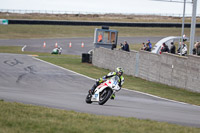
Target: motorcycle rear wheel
{"type": "Point", "coordinates": [88, 99]}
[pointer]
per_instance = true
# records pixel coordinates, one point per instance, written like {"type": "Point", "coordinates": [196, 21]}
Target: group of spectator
{"type": "Point", "coordinates": [147, 46]}
{"type": "Point", "coordinates": [182, 50]}
{"type": "Point", "coordinates": [125, 46]}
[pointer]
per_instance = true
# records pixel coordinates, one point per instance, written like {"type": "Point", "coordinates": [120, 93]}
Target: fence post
{"type": "Point", "coordinates": [137, 64]}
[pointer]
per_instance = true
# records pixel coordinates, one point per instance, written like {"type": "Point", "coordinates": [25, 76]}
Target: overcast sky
{"type": "Point", "coordinates": [101, 6]}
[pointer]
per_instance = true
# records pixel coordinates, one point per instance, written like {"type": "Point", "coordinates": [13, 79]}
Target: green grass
{"type": "Point", "coordinates": [10, 49]}
{"type": "Point", "coordinates": [55, 31]}
{"type": "Point", "coordinates": [21, 118]}
{"type": "Point", "coordinates": [96, 17]}
{"type": "Point", "coordinates": [44, 31]}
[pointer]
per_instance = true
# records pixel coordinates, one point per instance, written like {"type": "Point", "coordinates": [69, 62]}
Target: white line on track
{"type": "Point", "coordinates": [122, 88]}
{"type": "Point", "coordinates": [64, 68]}
{"type": "Point", "coordinates": [23, 48]}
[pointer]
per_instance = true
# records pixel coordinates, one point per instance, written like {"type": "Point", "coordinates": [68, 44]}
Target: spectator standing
{"type": "Point", "coordinates": [164, 48]}
{"type": "Point", "coordinates": [147, 48]}
{"type": "Point", "coordinates": [172, 48]}
{"type": "Point", "coordinates": [149, 43]}
{"type": "Point", "coordinates": [100, 37]}
{"type": "Point", "coordinates": [182, 49]}
{"type": "Point", "coordinates": [143, 46]}
{"type": "Point", "coordinates": [113, 45]}
{"type": "Point", "coordinates": [198, 48]}
{"type": "Point", "coordinates": [125, 46]}
{"type": "Point", "coordinates": [194, 50]}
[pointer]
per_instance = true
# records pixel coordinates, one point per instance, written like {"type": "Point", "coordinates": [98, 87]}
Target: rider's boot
{"type": "Point", "coordinates": [112, 96]}
{"type": "Point", "coordinates": [91, 91]}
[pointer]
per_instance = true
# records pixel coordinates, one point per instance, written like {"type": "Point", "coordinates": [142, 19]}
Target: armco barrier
{"type": "Point", "coordinates": [84, 23]}
{"type": "Point", "coordinates": [169, 69]}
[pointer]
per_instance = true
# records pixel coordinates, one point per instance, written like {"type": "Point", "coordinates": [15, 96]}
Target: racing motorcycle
{"type": "Point", "coordinates": [104, 91]}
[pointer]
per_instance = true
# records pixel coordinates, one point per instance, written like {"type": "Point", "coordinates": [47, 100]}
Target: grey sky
{"type": "Point", "coordinates": [100, 6]}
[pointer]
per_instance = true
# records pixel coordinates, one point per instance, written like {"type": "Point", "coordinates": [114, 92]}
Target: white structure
{"type": "Point", "coordinates": [167, 40]}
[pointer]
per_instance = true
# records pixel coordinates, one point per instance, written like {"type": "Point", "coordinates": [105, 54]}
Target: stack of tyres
{"type": "Point", "coordinates": [85, 58]}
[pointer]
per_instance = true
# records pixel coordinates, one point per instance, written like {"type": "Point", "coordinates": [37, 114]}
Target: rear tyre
{"type": "Point", "coordinates": [88, 99]}
{"type": "Point", "coordinates": [104, 96]}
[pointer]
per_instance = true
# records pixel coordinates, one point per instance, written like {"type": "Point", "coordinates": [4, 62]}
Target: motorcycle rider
{"type": "Point", "coordinates": [118, 71]}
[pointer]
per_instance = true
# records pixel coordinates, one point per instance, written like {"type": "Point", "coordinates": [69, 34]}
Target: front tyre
{"type": "Point", "coordinates": [88, 99]}
{"type": "Point", "coordinates": [104, 96]}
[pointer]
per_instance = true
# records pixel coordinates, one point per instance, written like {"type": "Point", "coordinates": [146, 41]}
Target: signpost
{"type": "Point", "coordinates": [3, 21]}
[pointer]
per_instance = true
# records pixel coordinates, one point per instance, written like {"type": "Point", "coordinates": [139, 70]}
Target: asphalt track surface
{"type": "Point", "coordinates": [28, 80]}
{"type": "Point", "coordinates": [76, 49]}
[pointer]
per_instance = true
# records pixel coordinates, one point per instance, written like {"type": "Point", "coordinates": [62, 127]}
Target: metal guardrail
{"type": "Point", "coordinates": [84, 23]}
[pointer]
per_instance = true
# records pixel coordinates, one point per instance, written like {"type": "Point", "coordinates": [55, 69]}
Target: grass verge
{"type": "Point", "coordinates": [73, 62]}
{"type": "Point", "coordinates": [17, 117]}
{"type": "Point", "coordinates": [96, 17]}
{"type": "Point", "coordinates": [55, 31]}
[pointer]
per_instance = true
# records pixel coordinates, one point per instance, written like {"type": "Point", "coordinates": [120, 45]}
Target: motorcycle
{"type": "Point", "coordinates": [104, 91]}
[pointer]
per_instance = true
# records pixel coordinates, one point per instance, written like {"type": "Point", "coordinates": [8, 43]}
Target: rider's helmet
{"type": "Point", "coordinates": [119, 71]}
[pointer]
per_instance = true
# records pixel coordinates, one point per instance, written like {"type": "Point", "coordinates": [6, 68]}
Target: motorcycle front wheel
{"type": "Point", "coordinates": [104, 96]}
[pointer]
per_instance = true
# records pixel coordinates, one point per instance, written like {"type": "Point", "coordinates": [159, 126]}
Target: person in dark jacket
{"type": "Point", "coordinates": [198, 48]}
{"type": "Point", "coordinates": [125, 47]}
{"type": "Point", "coordinates": [172, 48]}
{"type": "Point", "coordinates": [150, 45]}
{"type": "Point", "coordinates": [194, 50]}
{"type": "Point", "coordinates": [113, 45]}
{"type": "Point", "coordinates": [164, 48]}
{"type": "Point", "coordinates": [147, 48]}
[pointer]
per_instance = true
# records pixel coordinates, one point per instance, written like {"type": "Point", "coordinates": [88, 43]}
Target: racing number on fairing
{"type": "Point", "coordinates": [115, 83]}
